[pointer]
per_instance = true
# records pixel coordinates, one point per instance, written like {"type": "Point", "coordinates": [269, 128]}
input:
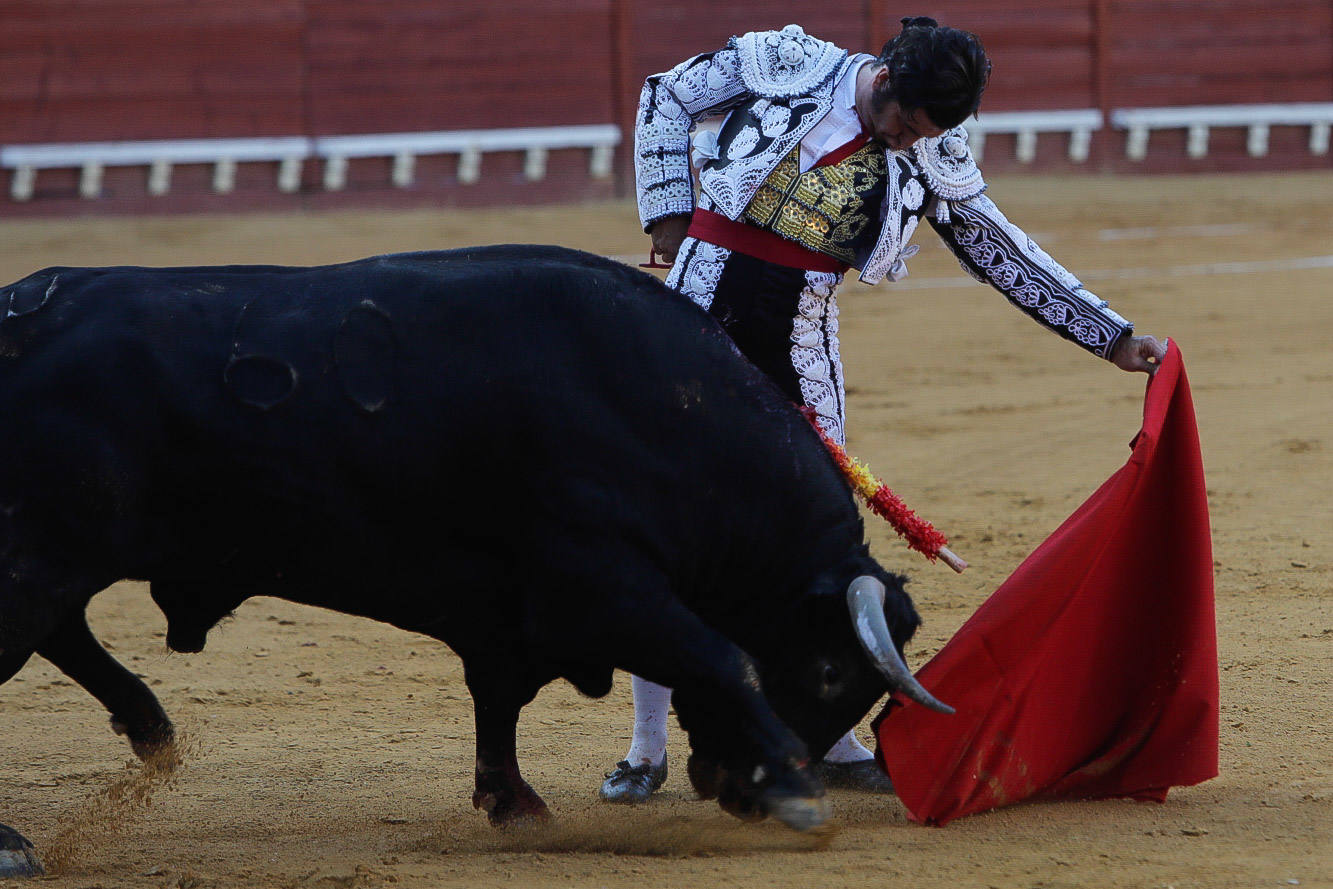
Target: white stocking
{"type": "Point", "coordinates": [848, 749]}
{"type": "Point", "coordinates": [652, 706]}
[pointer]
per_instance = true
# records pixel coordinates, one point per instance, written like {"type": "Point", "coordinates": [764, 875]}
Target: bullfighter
{"type": "Point", "coordinates": [826, 161]}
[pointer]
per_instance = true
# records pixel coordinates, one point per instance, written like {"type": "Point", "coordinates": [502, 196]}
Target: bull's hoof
{"type": "Point", "coordinates": [147, 741]}
{"type": "Point", "coordinates": [509, 806]}
{"type": "Point", "coordinates": [740, 805]}
{"type": "Point", "coordinates": [17, 856]}
{"type": "Point", "coordinates": [798, 813]}
{"type": "Point", "coordinates": [513, 813]}
{"type": "Point", "coordinates": [520, 820]}
{"type": "Point", "coordinates": [706, 776]}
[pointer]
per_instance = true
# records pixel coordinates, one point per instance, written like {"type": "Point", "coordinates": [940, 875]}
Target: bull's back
{"type": "Point", "coordinates": [384, 403]}
{"type": "Point", "coordinates": [425, 330]}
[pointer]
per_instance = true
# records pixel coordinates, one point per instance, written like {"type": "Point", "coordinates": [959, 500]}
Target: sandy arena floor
{"type": "Point", "coordinates": [327, 751]}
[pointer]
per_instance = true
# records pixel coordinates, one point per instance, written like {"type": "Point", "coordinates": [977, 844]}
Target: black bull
{"type": "Point", "coordinates": [547, 460]}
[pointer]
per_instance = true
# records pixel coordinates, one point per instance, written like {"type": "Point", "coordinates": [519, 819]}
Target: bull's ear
{"type": "Point", "coordinates": [824, 584]}
{"type": "Point", "coordinates": [899, 610]}
{"type": "Point", "coordinates": [820, 604]}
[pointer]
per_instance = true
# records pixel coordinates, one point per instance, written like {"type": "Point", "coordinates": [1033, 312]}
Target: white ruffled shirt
{"type": "Point", "coordinates": [841, 125]}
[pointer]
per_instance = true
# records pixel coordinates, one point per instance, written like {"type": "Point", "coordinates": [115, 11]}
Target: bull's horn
{"type": "Point", "coordinates": [865, 601]}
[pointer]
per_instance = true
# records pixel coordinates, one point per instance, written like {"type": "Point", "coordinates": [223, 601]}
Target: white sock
{"type": "Point", "coordinates": [652, 706]}
{"type": "Point", "coordinates": [848, 749]}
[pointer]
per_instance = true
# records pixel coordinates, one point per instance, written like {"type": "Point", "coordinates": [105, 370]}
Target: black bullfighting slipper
{"type": "Point", "coordinates": [633, 784]}
{"type": "Point", "coordinates": [864, 775]}
{"type": "Point", "coordinates": [17, 858]}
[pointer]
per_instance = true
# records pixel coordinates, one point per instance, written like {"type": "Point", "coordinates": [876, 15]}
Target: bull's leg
{"type": "Point", "coordinates": [11, 662]}
{"type": "Point", "coordinates": [17, 858]}
{"type": "Point", "coordinates": [497, 698]}
{"type": "Point", "coordinates": [744, 754]}
{"type": "Point", "coordinates": [30, 604]}
{"type": "Point", "coordinates": [135, 711]}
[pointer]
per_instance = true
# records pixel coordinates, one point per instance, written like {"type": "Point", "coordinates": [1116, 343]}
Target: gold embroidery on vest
{"type": "Point", "coordinates": [823, 208]}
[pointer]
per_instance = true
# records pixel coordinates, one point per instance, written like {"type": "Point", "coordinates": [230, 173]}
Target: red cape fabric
{"type": "Point", "coordinates": [1092, 671]}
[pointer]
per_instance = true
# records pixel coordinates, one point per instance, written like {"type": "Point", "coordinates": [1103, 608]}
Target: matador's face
{"type": "Point", "coordinates": [889, 123]}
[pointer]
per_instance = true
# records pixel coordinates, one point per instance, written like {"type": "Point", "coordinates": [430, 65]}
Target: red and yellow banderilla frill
{"type": "Point", "coordinates": [920, 534]}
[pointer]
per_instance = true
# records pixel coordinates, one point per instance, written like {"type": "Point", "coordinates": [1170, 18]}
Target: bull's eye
{"type": "Point", "coordinates": [832, 676]}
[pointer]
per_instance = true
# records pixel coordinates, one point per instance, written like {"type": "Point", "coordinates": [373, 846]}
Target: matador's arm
{"type": "Point", "coordinates": [669, 106]}
{"type": "Point", "coordinates": [995, 251]}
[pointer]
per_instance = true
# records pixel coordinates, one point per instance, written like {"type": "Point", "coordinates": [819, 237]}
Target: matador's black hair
{"type": "Point", "coordinates": [936, 69]}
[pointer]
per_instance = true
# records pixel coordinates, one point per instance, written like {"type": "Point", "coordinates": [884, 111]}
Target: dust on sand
{"type": "Point", "coordinates": [109, 811]}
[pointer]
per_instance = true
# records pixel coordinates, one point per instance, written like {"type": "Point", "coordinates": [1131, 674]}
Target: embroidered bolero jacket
{"type": "Point", "coordinates": [782, 82]}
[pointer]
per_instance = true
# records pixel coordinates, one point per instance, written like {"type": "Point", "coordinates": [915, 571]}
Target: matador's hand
{"type": "Point", "coordinates": [1143, 353]}
{"type": "Point", "coordinates": [668, 234]}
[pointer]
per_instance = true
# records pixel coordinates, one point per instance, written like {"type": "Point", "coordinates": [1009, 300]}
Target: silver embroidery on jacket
{"type": "Point", "coordinates": [815, 353]}
{"type": "Point", "coordinates": [698, 270]}
{"type": "Point", "coordinates": [762, 65]}
{"type": "Point", "coordinates": [950, 171]}
{"type": "Point", "coordinates": [1003, 255]}
{"type": "Point", "coordinates": [669, 105]}
{"type": "Point", "coordinates": [781, 64]}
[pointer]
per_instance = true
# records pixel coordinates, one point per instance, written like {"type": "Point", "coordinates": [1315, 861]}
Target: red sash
{"type": "Point", "coordinates": [741, 237]}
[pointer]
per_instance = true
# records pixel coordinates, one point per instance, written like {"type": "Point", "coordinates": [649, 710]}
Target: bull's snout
{"type": "Point", "coordinates": [186, 641]}
{"type": "Point", "coordinates": [799, 813]}
{"type": "Point", "coordinates": [795, 796]}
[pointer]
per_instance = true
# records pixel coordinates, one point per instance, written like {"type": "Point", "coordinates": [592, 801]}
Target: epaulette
{"type": "Point", "coordinates": [781, 64]}
{"type": "Point", "coordinates": [950, 170]}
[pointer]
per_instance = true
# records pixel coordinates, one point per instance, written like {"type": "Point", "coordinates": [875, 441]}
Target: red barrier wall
{"type": "Point", "coordinates": [96, 70]}
{"type": "Point", "coordinates": [404, 65]}
{"type": "Point", "coordinates": [84, 70]}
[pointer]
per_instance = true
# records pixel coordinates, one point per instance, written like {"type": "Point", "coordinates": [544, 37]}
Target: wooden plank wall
{"type": "Point", "coordinates": [94, 70]}
{"type": "Point", "coordinates": [1207, 52]}
{"type": "Point", "coordinates": [91, 70]}
{"type": "Point", "coordinates": [404, 65]}
{"type": "Point", "coordinates": [1041, 53]}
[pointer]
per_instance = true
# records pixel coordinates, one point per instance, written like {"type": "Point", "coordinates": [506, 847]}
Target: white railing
{"type": "Point", "coordinates": [159, 156]}
{"type": "Point", "coordinates": [469, 145]}
{"type": "Point", "coordinates": [1079, 123]}
{"type": "Point", "coordinates": [335, 152]}
{"type": "Point", "coordinates": [1198, 119]}
{"type": "Point", "coordinates": [291, 152]}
